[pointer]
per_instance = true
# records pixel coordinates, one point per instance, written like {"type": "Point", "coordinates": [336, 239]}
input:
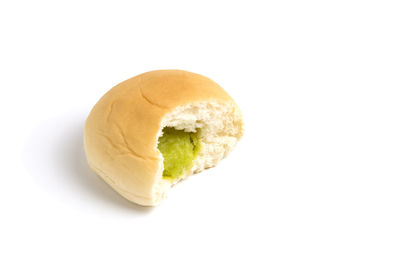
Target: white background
{"type": "Point", "coordinates": [314, 181]}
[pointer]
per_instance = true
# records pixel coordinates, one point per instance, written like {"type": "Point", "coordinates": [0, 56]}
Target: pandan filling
{"type": "Point", "coordinates": [179, 149]}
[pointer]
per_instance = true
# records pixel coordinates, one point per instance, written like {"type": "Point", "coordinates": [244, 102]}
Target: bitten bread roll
{"type": "Point", "coordinates": [153, 130]}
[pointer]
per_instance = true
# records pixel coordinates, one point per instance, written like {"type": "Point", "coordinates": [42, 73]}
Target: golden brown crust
{"type": "Point", "coordinates": [121, 130]}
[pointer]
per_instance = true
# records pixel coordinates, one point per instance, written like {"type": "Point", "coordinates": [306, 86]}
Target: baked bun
{"type": "Point", "coordinates": [190, 118]}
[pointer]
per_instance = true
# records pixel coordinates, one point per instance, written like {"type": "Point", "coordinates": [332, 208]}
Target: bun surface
{"type": "Point", "coordinates": [122, 130]}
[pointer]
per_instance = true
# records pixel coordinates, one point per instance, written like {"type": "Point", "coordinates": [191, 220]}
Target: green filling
{"type": "Point", "coordinates": [179, 149]}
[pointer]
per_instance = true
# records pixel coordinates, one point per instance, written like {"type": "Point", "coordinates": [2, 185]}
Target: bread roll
{"type": "Point", "coordinates": [124, 128]}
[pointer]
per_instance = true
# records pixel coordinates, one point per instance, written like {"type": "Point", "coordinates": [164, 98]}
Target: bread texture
{"type": "Point", "coordinates": [122, 130]}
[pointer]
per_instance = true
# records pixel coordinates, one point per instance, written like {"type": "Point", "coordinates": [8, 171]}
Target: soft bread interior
{"type": "Point", "coordinates": [219, 127]}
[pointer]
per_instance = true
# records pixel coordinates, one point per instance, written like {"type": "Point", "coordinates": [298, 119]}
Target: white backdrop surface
{"type": "Point", "coordinates": [314, 181]}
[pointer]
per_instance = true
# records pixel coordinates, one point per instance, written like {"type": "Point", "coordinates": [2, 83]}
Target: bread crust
{"type": "Point", "coordinates": [121, 131]}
